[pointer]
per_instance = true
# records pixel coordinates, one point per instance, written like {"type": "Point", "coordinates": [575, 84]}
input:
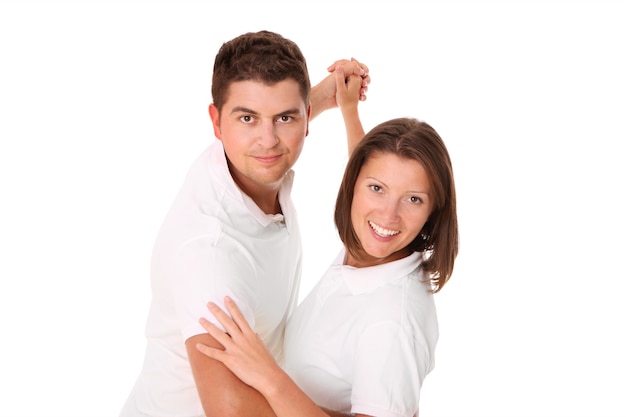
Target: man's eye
{"type": "Point", "coordinates": [247, 119]}
{"type": "Point", "coordinates": [284, 119]}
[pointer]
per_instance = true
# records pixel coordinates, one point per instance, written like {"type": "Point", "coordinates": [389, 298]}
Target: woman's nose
{"type": "Point", "coordinates": [390, 209]}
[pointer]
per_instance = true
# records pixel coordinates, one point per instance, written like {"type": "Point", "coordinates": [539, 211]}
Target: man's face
{"type": "Point", "coordinates": [262, 129]}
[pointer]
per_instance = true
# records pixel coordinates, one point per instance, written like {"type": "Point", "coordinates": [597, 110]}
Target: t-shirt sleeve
{"type": "Point", "coordinates": [390, 366]}
{"type": "Point", "coordinates": [205, 271]}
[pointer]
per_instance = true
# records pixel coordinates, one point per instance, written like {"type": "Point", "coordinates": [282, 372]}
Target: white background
{"type": "Point", "coordinates": [103, 107]}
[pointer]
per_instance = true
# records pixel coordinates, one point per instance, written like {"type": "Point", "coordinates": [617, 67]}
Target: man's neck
{"type": "Point", "coordinates": [268, 205]}
{"type": "Point", "coordinates": [264, 197]}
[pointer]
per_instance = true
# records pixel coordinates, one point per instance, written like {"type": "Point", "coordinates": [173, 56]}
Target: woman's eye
{"type": "Point", "coordinates": [415, 200]}
{"type": "Point", "coordinates": [375, 188]}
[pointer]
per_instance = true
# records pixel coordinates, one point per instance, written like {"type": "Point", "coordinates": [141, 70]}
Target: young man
{"type": "Point", "coordinates": [232, 229]}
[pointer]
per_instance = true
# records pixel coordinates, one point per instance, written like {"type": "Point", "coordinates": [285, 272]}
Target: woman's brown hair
{"type": "Point", "coordinates": [412, 139]}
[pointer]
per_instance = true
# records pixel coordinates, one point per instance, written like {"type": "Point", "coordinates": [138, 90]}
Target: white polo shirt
{"type": "Point", "coordinates": [364, 339]}
{"type": "Point", "coordinates": [215, 241]}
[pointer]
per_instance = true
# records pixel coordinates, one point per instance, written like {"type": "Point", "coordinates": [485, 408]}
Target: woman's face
{"type": "Point", "coordinates": [391, 204]}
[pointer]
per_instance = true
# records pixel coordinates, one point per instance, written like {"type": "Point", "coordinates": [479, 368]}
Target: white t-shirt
{"type": "Point", "coordinates": [364, 339]}
{"type": "Point", "coordinates": [215, 241]}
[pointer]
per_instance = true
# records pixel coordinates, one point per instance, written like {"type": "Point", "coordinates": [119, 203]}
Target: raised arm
{"type": "Point", "coordinates": [348, 102]}
{"type": "Point", "coordinates": [245, 355]}
{"type": "Point", "coordinates": [324, 94]}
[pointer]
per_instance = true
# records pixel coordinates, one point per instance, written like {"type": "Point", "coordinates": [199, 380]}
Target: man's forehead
{"type": "Point", "coordinates": [258, 97]}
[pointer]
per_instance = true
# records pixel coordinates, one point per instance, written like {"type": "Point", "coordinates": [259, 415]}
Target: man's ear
{"type": "Point", "coordinates": [308, 118]}
{"type": "Point", "coordinates": [215, 119]}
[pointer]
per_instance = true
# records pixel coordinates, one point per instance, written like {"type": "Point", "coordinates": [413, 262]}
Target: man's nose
{"type": "Point", "coordinates": [267, 134]}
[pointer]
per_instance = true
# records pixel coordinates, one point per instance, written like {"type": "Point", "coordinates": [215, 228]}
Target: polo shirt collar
{"type": "Point", "coordinates": [367, 279]}
{"type": "Point", "coordinates": [218, 161]}
{"type": "Point", "coordinates": [283, 198]}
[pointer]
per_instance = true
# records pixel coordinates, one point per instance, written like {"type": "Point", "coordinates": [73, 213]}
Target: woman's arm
{"type": "Point", "coordinates": [247, 357]}
{"type": "Point", "coordinates": [221, 393]}
{"type": "Point", "coordinates": [348, 101]}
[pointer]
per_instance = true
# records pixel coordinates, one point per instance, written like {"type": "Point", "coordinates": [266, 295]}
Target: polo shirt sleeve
{"type": "Point", "coordinates": [389, 368]}
{"type": "Point", "coordinates": [207, 271]}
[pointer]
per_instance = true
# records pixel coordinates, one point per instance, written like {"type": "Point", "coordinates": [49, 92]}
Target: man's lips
{"type": "Point", "coordinates": [267, 159]}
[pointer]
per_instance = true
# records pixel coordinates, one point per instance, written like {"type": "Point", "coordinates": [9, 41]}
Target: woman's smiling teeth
{"type": "Point", "coordinates": [381, 231]}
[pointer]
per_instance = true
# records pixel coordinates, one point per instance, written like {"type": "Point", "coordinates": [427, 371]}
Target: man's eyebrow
{"type": "Point", "coordinates": [241, 109]}
{"type": "Point", "coordinates": [295, 110]}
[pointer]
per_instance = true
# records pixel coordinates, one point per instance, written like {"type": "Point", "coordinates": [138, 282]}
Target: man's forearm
{"type": "Point", "coordinates": [332, 413]}
{"type": "Point", "coordinates": [221, 393]}
{"type": "Point", "coordinates": [322, 98]}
